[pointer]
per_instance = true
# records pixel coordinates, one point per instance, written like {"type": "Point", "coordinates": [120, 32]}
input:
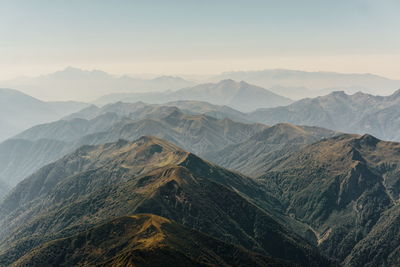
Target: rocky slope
{"type": "Point", "coordinates": [347, 189]}
{"type": "Point", "coordinates": [98, 183]}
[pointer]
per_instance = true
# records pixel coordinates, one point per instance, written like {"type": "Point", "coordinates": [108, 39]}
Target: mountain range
{"type": "Point", "coordinates": [337, 192]}
{"type": "Point", "coordinates": [42, 144]}
{"type": "Point", "coordinates": [238, 95]}
{"type": "Point", "coordinates": [83, 85]}
{"type": "Point", "coordinates": [95, 184]}
{"type": "Point", "coordinates": [197, 183]}
{"type": "Point", "coordinates": [346, 188]}
{"type": "Point", "coordinates": [19, 111]}
{"type": "Point", "coordinates": [257, 154]}
{"type": "Point", "coordinates": [300, 84]}
{"type": "Point", "coordinates": [358, 113]}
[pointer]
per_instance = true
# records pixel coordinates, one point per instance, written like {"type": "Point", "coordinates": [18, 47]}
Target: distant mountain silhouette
{"type": "Point", "coordinates": [19, 111]}
{"type": "Point", "coordinates": [238, 95]}
{"type": "Point", "coordinates": [358, 113]}
{"type": "Point", "coordinates": [300, 84]}
{"type": "Point", "coordinates": [83, 85]}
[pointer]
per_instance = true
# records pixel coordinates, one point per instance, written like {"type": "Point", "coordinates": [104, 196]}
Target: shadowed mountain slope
{"type": "Point", "coordinates": [97, 183]}
{"type": "Point", "coordinates": [142, 240]}
{"type": "Point", "coordinates": [261, 151]}
{"type": "Point", "coordinates": [347, 189]}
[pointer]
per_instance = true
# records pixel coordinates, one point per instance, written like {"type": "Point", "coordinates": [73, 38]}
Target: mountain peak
{"type": "Point", "coordinates": [227, 81]}
{"type": "Point", "coordinates": [368, 140]}
{"type": "Point", "coordinates": [396, 94]}
{"type": "Point", "coordinates": [339, 93]}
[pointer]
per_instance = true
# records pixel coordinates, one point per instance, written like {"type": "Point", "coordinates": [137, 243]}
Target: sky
{"type": "Point", "coordinates": [199, 37]}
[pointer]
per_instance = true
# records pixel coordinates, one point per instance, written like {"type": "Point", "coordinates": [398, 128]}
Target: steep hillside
{"type": "Point", "coordinates": [142, 240]}
{"type": "Point", "coordinates": [97, 183]}
{"type": "Point", "coordinates": [347, 189]}
{"type": "Point", "coordinates": [358, 113]}
{"type": "Point", "coordinates": [260, 152]}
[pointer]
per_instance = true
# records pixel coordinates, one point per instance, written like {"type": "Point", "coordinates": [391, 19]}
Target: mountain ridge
{"type": "Point", "coordinates": [19, 111]}
{"type": "Point", "coordinates": [358, 113]}
{"type": "Point", "coordinates": [145, 176]}
{"type": "Point", "coordinates": [342, 187]}
{"type": "Point", "coordinates": [238, 95]}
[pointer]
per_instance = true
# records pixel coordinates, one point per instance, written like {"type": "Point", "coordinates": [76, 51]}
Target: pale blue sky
{"type": "Point", "coordinates": [203, 37]}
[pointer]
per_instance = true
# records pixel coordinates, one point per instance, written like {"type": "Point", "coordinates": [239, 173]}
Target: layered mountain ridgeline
{"type": "Point", "coordinates": [347, 189]}
{"type": "Point", "coordinates": [216, 111]}
{"type": "Point", "coordinates": [73, 83]}
{"type": "Point", "coordinates": [99, 183]}
{"type": "Point", "coordinates": [358, 113]}
{"type": "Point", "coordinates": [141, 108]}
{"type": "Point", "coordinates": [19, 111]}
{"type": "Point", "coordinates": [260, 152]}
{"type": "Point", "coordinates": [297, 84]}
{"type": "Point", "coordinates": [45, 143]}
{"type": "Point", "coordinates": [238, 95]}
{"type": "Point", "coordinates": [142, 240]}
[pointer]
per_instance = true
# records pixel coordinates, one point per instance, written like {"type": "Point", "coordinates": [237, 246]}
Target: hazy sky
{"type": "Point", "coordinates": [199, 37]}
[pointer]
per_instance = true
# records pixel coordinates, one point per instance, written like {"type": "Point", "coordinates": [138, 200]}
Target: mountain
{"type": "Point", "coordinates": [358, 113]}
{"type": "Point", "coordinates": [143, 240]}
{"type": "Point", "coordinates": [198, 133]}
{"type": "Point", "coordinates": [257, 154]}
{"type": "Point", "coordinates": [346, 188]}
{"type": "Point", "coordinates": [300, 84]}
{"type": "Point", "coordinates": [238, 95]}
{"type": "Point", "coordinates": [98, 183]}
{"type": "Point", "coordinates": [83, 85]}
{"type": "Point", "coordinates": [139, 108]}
{"type": "Point", "coordinates": [19, 111]}
{"type": "Point", "coordinates": [4, 188]}
{"type": "Point", "coordinates": [216, 111]}
{"type": "Point", "coordinates": [42, 144]}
